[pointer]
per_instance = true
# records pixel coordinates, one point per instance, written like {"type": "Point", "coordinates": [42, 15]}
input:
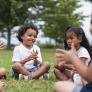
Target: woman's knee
{"type": "Point", "coordinates": [63, 86]}
{"type": "Point", "coordinates": [57, 87]}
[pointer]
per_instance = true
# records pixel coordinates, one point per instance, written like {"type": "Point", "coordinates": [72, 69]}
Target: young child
{"type": "Point", "coordinates": [77, 37]}
{"type": "Point", "coordinates": [27, 60]}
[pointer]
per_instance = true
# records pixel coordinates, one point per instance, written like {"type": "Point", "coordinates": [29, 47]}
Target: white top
{"type": "Point", "coordinates": [21, 52]}
{"type": "Point", "coordinates": [82, 52]}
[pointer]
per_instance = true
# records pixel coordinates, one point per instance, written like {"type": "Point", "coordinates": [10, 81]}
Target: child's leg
{"type": "Point", "coordinates": [20, 69]}
{"type": "Point", "coordinates": [43, 69]}
{"type": "Point", "coordinates": [2, 73]}
{"type": "Point", "coordinates": [60, 75]}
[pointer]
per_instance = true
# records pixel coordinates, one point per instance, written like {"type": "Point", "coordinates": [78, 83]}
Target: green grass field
{"type": "Point", "coordinates": [13, 85]}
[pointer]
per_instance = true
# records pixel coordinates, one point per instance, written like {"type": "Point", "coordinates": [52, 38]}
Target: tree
{"type": "Point", "coordinates": [89, 0]}
{"type": "Point", "coordinates": [57, 15]}
{"type": "Point", "coordinates": [12, 13]}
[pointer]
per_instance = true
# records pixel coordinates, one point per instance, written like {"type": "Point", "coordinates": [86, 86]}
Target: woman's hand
{"type": "Point", "coordinates": [70, 67]}
{"type": "Point", "coordinates": [63, 55]}
{"type": "Point", "coordinates": [60, 65]}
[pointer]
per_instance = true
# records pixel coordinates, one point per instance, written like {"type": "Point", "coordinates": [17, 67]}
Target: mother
{"type": "Point", "coordinates": [84, 71]}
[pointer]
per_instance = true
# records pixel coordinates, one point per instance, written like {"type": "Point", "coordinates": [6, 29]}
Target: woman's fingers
{"type": "Point", "coordinates": [73, 48]}
{"type": "Point", "coordinates": [59, 56]}
{"type": "Point", "coordinates": [62, 55]}
{"type": "Point", "coordinates": [60, 51]}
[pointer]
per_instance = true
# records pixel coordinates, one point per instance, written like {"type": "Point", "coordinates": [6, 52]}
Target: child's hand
{"type": "Point", "coordinates": [33, 56]}
{"type": "Point", "coordinates": [60, 66]}
{"type": "Point", "coordinates": [1, 45]}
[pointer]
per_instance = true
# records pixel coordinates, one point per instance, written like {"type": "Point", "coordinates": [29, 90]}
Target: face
{"type": "Point", "coordinates": [72, 38]}
{"type": "Point", "coordinates": [29, 37]}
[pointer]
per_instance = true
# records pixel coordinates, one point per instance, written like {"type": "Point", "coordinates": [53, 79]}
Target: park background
{"type": "Point", "coordinates": [51, 17]}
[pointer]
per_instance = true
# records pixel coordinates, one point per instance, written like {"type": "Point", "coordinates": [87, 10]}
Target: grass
{"type": "Point", "coordinates": [13, 85]}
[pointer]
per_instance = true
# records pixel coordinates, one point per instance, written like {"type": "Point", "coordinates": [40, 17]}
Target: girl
{"type": "Point", "coordinates": [27, 60]}
{"type": "Point", "coordinates": [77, 37]}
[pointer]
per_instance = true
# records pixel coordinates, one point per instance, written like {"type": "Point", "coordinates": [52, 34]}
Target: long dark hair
{"type": "Point", "coordinates": [79, 33]}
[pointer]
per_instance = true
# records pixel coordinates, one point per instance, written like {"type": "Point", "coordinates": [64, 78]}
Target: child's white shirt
{"type": "Point", "coordinates": [82, 52]}
{"type": "Point", "coordinates": [21, 52]}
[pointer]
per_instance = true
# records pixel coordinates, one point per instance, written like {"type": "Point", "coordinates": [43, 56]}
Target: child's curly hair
{"type": "Point", "coordinates": [22, 30]}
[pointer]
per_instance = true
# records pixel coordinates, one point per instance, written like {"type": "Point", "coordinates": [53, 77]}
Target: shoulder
{"type": "Point", "coordinates": [83, 52]}
{"type": "Point", "coordinates": [82, 49]}
{"type": "Point", "coordinates": [18, 47]}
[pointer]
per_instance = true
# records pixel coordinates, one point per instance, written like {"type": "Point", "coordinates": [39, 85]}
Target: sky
{"type": "Point", "coordinates": [87, 10]}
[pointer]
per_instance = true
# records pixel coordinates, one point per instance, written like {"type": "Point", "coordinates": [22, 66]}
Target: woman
{"type": "Point", "coordinates": [84, 71]}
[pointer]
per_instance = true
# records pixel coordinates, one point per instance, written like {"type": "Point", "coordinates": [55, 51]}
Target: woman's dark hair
{"type": "Point", "coordinates": [79, 33]}
{"type": "Point", "coordinates": [22, 30]}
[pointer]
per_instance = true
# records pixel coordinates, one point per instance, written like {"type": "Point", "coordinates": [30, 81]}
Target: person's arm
{"type": "Point", "coordinates": [17, 57]}
{"type": "Point", "coordinates": [38, 60]}
{"type": "Point", "coordinates": [83, 70]}
{"type": "Point", "coordinates": [33, 56]}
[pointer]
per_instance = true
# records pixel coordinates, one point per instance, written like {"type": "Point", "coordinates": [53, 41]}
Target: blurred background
{"type": "Point", "coordinates": [52, 17]}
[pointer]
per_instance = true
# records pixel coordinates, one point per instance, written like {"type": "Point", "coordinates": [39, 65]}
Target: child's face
{"type": "Point", "coordinates": [72, 38]}
{"type": "Point", "coordinates": [29, 37]}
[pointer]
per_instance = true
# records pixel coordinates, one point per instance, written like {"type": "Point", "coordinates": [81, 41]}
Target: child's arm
{"type": "Point", "coordinates": [83, 60]}
{"type": "Point", "coordinates": [60, 65]}
{"type": "Point", "coordinates": [36, 62]}
{"type": "Point", "coordinates": [33, 56]}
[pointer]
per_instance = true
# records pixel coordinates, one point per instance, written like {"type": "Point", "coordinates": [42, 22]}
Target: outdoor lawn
{"type": "Point", "coordinates": [13, 85]}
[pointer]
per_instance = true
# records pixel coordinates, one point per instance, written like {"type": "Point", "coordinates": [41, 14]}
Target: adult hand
{"type": "Point", "coordinates": [63, 55]}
